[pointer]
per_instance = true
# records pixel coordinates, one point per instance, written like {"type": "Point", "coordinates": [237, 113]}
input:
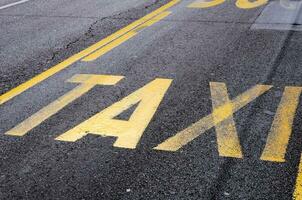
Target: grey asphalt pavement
{"type": "Point", "coordinates": [194, 48]}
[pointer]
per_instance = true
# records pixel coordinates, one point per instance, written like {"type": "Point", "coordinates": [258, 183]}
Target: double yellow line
{"type": "Point", "coordinates": [96, 50]}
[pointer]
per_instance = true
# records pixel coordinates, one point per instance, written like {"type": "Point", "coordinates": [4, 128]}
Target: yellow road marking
{"type": "Point", "coordinates": [227, 137]}
{"type": "Point", "coordinates": [275, 148]}
{"type": "Point", "coordinates": [244, 4]}
{"type": "Point", "coordinates": [110, 46]}
{"type": "Point", "coordinates": [298, 187]}
{"type": "Point", "coordinates": [59, 67]}
{"type": "Point", "coordinates": [88, 81]}
{"type": "Point", "coordinates": [124, 38]}
{"type": "Point", "coordinates": [182, 138]}
{"type": "Point", "coordinates": [247, 4]}
{"type": "Point", "coordinates": [205, 4]}
{"type": "Point", "coordinates": [129, 132]}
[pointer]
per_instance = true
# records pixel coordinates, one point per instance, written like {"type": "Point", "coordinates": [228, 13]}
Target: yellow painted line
{"type": "Point", "coordinates": [124, 38]}
{"type": "Point", "coordinates": [247, 4]}
{"type": "Point", "coordinates": [153, 20]}
{"type": "Point", "coordinates": [59, 67]}
{"type": "Point", "coordinates": [205, 3]}
{"type": "Point", "coordinates": [88, 81]}
{"type": "Point", "coordinates": [109, 46]}
{"type": "Point", "coordinates": [298, 188]}
{"type": "Point", "coordinates": [277, 141]}
{"type": "Point", "coordinates": [185, 136]}
{"type": "Point", "coordinates": [227, 137]}
{"type": "Point", "coordinates": [127, 132]}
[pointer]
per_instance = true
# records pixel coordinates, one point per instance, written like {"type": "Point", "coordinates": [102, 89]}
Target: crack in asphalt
{"type": "Point", "coordinates": [54, 56]}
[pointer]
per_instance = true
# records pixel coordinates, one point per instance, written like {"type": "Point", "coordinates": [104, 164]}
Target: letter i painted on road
{"type": "Point", "coordinates": [127, 132]}
{"type": "Point", "coordinates": [278, 137]}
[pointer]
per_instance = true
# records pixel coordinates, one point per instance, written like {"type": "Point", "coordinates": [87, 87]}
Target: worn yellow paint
{"type": "Point", "coordinates": [227, 137]}
{"type": "Point", "coordinates": [109, 46]}
{"type": "Point", "coordinates": [153, 20]}
{"type": "Point", "coordinates": [128, 133]}
{"type": "Point", "coordinates": [59, 67]}
{"type": "Point", "coordinates": [247, 4]}
{"type": "Point", "coordinates": [298, 187]}
{"type": "Point", "coordinates": [182, 138]}
{"type": "Point", "coordinates": [123, 38]}
{"type": "Point", "coordinates": [87, 82]}
{"type": "Point", "coordinates": [205, 3]}
{"type": "Point", "coordinates": [277, 141]}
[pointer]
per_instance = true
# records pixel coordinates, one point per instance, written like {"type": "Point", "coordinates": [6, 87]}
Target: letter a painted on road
{"type": "Point", "coordinates": [128, 133]}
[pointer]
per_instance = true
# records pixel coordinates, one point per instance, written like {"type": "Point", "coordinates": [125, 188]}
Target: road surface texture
{"type": "Point", "coordinates": [154, 99]}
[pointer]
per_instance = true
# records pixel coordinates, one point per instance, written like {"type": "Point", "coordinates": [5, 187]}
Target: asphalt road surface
{"type": "Point", "coordinates": [154, 99]}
